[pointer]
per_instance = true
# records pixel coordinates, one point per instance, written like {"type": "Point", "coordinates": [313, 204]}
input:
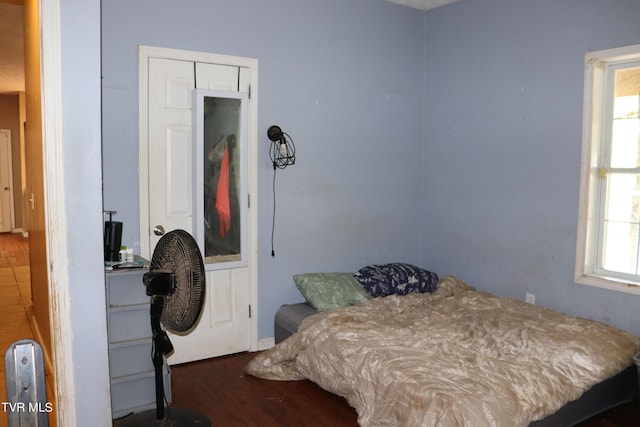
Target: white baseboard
{"type": "Point", "coordinates": [25, 234]}
{"type": "Point", "coordinates": [266, 343]}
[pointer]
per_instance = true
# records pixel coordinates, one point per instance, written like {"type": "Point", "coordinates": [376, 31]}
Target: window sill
{"type": "Point", "coordinates": [610, 283]}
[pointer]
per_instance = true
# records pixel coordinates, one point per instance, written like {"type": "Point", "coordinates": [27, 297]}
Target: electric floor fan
{"type": "Point", "coordinates": [176, 284]}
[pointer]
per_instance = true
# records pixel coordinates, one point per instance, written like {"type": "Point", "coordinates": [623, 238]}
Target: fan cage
{"type": "Point", "coordinates": [178, 253]}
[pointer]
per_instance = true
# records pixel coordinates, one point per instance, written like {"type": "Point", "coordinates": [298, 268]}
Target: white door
{"type": "Point", "coordinates": [225, 326]}
{"type": "Point", "coordinates": [6, 199]}
{"type": "Point", "coordinates": [170, 141]}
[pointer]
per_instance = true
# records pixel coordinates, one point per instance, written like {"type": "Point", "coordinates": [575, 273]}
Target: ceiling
{"type": "Point", "coordinates": [12, 46]}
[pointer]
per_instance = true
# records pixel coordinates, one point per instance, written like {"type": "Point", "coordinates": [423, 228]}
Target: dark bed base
{"type": "Point", "coordinates": [608, 394]}
{"type": "Point", "coordinates": [289, 317]}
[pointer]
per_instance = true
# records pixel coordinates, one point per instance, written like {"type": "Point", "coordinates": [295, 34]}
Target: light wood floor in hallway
{"type": "Point", "coordinates": [15, 307]}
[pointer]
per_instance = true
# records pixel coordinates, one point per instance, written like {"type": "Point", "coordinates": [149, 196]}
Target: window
{"type": "Point", "coordinates": [608, 252]}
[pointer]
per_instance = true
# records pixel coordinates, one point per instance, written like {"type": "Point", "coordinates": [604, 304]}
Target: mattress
{"type": "Point", "coordinates": [600, 396]}
{"type": "Point", "coordinates": [289, 317]}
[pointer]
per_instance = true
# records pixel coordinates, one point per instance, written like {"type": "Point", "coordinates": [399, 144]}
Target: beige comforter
{"type": "Point", "coordinates": [457, 357]}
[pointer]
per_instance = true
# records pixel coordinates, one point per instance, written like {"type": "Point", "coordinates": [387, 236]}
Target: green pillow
{"type": "Point", "coordinates": [325, 291]}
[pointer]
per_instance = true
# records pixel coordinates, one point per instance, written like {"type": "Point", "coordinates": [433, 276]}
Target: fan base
{"type": "Point", "coordinates": [174, 417]}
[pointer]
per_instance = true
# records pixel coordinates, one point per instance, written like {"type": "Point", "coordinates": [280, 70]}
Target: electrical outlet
{"type": "Point", "coordinates": [530, 298]}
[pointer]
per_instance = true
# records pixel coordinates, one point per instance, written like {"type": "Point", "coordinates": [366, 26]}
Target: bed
{"type": "Point", "coordinates": [454, 356]}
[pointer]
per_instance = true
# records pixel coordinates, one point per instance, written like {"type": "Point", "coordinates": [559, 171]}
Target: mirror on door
{"type": "Point", "coordinates": [220, 181]}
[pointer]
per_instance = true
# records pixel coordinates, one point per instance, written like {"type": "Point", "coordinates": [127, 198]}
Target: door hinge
{"type": "Point", "coordinates": [249, 94]}
{"type": "Point", "coordinates": [248, 200]}
{"type": "Point", "coordinates": [249, 311]}
{"type": "Point", "coordinates": [602, 173]}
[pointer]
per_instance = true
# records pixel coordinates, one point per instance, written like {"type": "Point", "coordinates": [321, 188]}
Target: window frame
{"type": "Point", "coordinates": [590, 219]}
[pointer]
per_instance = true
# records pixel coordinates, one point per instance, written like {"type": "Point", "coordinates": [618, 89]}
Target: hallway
{"type": "Point", "coordinates": [15, 305]}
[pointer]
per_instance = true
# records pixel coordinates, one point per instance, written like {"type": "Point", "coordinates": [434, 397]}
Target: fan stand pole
{"type": "Point", "coordinates": [158, 365]}
{"type": "Point", "coordinates": [158, 362]}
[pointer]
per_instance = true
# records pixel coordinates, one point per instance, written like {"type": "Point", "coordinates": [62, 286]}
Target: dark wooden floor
{"type": "Point", "coordinates": [219, 389]}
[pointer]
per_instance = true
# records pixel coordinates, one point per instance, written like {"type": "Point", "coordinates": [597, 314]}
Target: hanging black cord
{"type": "Point", "coordinates": [282, 153]}
{"type": "Point", "coordinates": [273, 220]}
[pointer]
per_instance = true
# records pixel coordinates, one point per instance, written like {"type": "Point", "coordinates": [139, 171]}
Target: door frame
{"type": "Point", "coordinates": [12, 219]}
{"type": "Point", "coordinates": [56, 229]}
{"type": "Point", "coordinates": [147, 52]}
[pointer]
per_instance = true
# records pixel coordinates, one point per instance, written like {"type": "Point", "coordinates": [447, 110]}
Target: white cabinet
{"type": "Point", "coordinates": [130, 349]}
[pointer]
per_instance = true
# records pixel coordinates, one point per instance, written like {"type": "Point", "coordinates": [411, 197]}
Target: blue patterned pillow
{"type": "Point", "coordinates": [396, 279]}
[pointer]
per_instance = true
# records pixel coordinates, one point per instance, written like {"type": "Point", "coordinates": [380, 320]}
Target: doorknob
{"type": "Point", "coordinates": [158, 230]}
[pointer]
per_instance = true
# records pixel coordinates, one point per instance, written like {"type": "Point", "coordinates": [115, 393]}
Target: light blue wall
{"type": "Point", "coordinates": [502, 135]}
{"type": "Point", "coordinates": [342, 77]}
{"type": "Point", "coordinates": [78, 292]}
{"type": "Point", "coordinates": [494, 199]}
